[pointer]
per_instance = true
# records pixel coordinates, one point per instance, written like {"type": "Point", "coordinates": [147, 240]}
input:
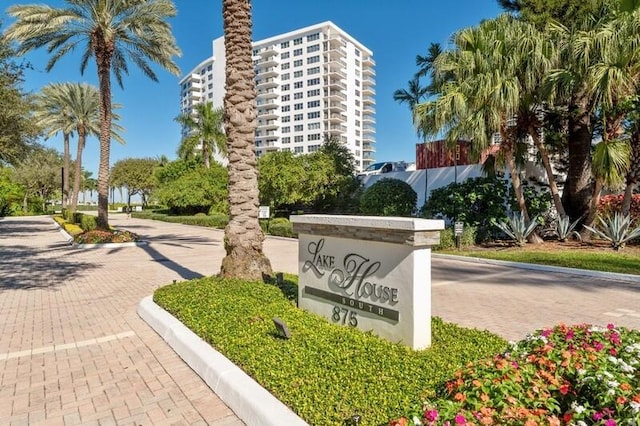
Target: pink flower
{"type": "Point", "coordinates": [610, 422]}
{"type": "Point", "coordinates": [610, 326]}
{"type": "Point", "coordinates": [515, 364]}
{"type": "Point", "coordinates": [569, 335]}
{"type": "Point", "coordinates": [598, 346]}
{"type": "Point", "coordinates": [431, 415]}
{"type": "Point", "coordinates": [546, 333]}
{"type": "Point", "coordinates": [597, 416]}
{"type": "Point", "coordinates": [460, 420]}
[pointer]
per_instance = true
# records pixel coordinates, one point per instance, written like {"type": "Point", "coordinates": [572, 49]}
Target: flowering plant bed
{"type": "Point", "coordinates": [97, 236]}
{"type": "Point", "coordinates": [580, 375]}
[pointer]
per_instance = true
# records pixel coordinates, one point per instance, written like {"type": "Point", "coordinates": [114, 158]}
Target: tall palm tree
{"type": "Point", "coordinates": [412, 96]}
{"type": "Point", "coordinates": [243, 236]}
{"type": "Point", "coordinates": [51, 113]}
{"type": "Point", "coordinates": [481, 94]}
{"type": "Point", "coordinates": [113, 31]}
{"type": "Point", "coordinates": [205, 130]}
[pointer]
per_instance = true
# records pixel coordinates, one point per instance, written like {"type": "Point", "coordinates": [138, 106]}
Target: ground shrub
{"type": "Point", "coordinates": [88, 222]}
{"type": "Point", "coordinates": [325, 373]}
{"type": "Point", "coordinates": [610, 204]}
{"type": "Point", "coordinates": [579, 375]}
{"type": "Point", "coordinates": [279, 226]}
{"type": "Point", "coordinates": [448, 239]}
{"type": "Point", "coordinates": [217, 220]}
{"type": "Point", "coordinates": [389, 197]}
{"type": "Point", "coordinates": [98, 236]}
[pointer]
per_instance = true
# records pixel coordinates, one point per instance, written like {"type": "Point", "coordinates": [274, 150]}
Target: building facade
{"type": "Point", "coordinates": [310, 82]}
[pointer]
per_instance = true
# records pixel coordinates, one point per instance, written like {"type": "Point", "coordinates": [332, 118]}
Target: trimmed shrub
{"type": "Point", "coordinates": [88, 222]}
{"type": "Point", "coordinates": [326, 373]}
{"type": "Point", "coordinates": [448, 240]}
{"type": "Point", "coordinates": [610, 204]}
{"type": "Point", "coordinates": [281, 227]}
{"type": "Point", "coordinates": [389, 197]}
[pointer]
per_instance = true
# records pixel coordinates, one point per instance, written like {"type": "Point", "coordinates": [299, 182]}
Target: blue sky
{"type": "Point", "coordinates": [394, 31]}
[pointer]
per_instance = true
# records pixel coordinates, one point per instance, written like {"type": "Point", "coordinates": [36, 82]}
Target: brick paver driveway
{"type": "Point", "coordinates": [72, 348]}
{"type": "Point", "coordinates": [74, 351]}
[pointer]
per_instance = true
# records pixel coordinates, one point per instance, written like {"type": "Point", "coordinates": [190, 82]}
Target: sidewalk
{"type": "Point", "coordinates": [72, 348]}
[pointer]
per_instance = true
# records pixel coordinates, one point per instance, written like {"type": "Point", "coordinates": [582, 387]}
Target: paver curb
{"type": "Point", "coordinates": [249, 401]}
{"type": "Point", "coordinates": [545, 268]}
{"type": "Point", "coordinates": [68, 238]}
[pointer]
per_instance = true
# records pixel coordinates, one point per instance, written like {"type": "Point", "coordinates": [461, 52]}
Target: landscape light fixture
{"type": "Point", "coordinates": [281, 328]}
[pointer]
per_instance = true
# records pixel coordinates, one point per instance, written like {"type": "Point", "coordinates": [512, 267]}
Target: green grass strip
{"type": "Point", "coordinates": [325, 373]}
{"type": "Point", "coordinates": [622, 263]}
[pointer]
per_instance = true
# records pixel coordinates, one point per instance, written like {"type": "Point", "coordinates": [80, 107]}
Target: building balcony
{"type": "Point", "coordinates": [268, 125]}
{"type": "Point", "coordinates": [195, 97]}
{"type": "Point", "coordinates": [267, 94]}
{"type": "Point", "coordinates": [369, 100]}
{"type": "Point", "coordinates": [266, 83]}
{"type": "Point", "coordinates": [368, 61]}
{"type": "Point", "coordinates": [335, 95]}
{"type": "Point", "coordinates": [336, 40]}
{"type": "Point", "coordinates": [368, 72]}
{"type": "Point", "coordinates": [267, 72]}
{"type": "Point", "coordinates": [336, 64]}
{"type": "Point", "coordinates": [368, 129]}
{"type": "Point", "coordinates": [368, 90]}
{"type": "Point", "coordinates": [268, 51]}
{"type": "Point", "coordinates": [334, 84]}
{"type": "Point", "coordinates": [335, 72]}
{"type": "Point", "coordinates": [336, 106]}
{"type": "Point", "coordinates": [267, 114]}
{"type": "Point", "coordinates": [368, 147]}
{"type": "Point", "coordinates": [335, 128]}
{"type": "Point", "coordinates": [368, 120]}
{"type": "Point", "coordinates": [335, 118]}
{"type": "Point", "coordinates": [368, 138]}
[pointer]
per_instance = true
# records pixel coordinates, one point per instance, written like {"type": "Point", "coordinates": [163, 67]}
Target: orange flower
{"type": "Point", "coordinates": [531, 423]}
{"type": "Point", "coordinates": [460, 397]}
{"type": "Point", "coordinates": [399, 422]}
{"type": "Point", "coordinates": [553, 421]}
{"type": "Point", "coordinates": [484, 397]}
{"type": "Point", "coordinates": [477, 383]}
{"type": "Point", "coordinates": [621, 400]}
{"type": "Point", "coordinates": [625, 386]}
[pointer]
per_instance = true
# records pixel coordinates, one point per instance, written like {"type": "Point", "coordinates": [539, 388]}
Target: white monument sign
{"type": "Point", "coordinates": [373, 273]}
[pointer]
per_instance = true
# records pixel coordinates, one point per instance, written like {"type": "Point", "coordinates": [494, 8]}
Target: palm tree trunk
{"type": "Point", "coordinates": [206, 155]}
{"type": "Point", "coordinates": [585, 234]}
{"type": "Point", "coordinates": [103, 61]}
{"type": "Point", "coordinates": [243, 236]}
{"type": "Point", "coordinates": [553, 187]}
{"type": "Point", "coordinates": [66, 171]}
{"type": "Point", "coordinates": [78, 171]}
{"type": "Point", "coordinates": [578, 188]}
{"type": "Point", "coordinates": [633, 175]}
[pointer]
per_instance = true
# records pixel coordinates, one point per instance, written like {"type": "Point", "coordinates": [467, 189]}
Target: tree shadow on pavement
{"type": "Point", "coordinates": [155, 255]}
{"type": "Point", "coordinates": [24, 269]}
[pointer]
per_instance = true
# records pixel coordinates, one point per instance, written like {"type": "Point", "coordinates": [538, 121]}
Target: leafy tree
{"type": "Point", "coordinates": [204, 131]}
{"type": "Point", "coordinates": [136, 175]}
{"type": "Point", "coordinates": [17, 131]}
{"type": "Point", "coordinates": [88, 184]}
{"type": "Point", "coordinates": [243, 235]}
{"type": "Point", "coordinates": [281, 179]}
{"type": "Point", "coordinates": [39, 174]}
{"type": "Point", "coordinates": [343, 194]}
{"type": "Point", "coordinates": [11, 193]}
{"type": "Point", "coordinates": [541, 12]}
{"type": "Point", "coordinates": [192, 190]}
{"type": "Point", "coordinates": [389, 197]}
{"type": "Point", "coordinates": [114, 31]}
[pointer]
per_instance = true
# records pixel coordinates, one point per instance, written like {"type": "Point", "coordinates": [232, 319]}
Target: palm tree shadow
{"type": "Point", "coordinates": [24, 269]}
{"type": "Point", "coordinates": [155, 255]}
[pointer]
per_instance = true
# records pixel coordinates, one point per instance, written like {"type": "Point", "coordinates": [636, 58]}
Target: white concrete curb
{"type": "Point", "coordinates": [68, 238]}
{"type": "Point", "coordinates": [250, 401]}
{"type": "Point", "coordinates": [544, 268]}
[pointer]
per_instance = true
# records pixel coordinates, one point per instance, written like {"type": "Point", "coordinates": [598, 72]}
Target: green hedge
{"type": "Point", "coordinates": [325, 373]}
{"type": "Point", "coordinates": [278, 226]}
{"type": "Point", "coordinates": [213, 221]}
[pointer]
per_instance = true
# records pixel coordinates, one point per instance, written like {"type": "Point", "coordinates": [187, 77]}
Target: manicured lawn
{"type": "Point", "coordinates": [625, 261]}
{"type": "Point", "coordinates": [325, 373]}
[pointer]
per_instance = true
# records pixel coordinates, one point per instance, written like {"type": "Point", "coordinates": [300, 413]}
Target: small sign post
{"type": "Point", "coordinates": [458, 229]}
{"type": "Point", "coordinates": [264, 213]}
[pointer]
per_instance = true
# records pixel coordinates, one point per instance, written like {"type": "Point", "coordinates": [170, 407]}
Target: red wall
{"type": "Point", "coordinates": [432, 155]}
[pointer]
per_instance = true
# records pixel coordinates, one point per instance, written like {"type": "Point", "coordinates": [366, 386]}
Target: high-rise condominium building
{"type": "Point", "coordinates": [310, 82]}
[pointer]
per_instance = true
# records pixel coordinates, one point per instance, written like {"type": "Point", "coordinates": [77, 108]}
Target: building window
{"type": "Point", "coordinates": [210, 86]}
{"type": "Point", "coordinates": [286, 129]}
{"type": "Point", "coordinates": [357, 92]}
{"type": "Point", "coordinates": [298, 95]}
{"type": "Point", "coordinates": [313, 48]}
{"type": "Point", "coordinates": [285, 66]}
{"type": "Point", "coordinates": [314, 92]}
{"type": "Point", "coordinates": [358, 83]}
{"type": "Point", "coordinates": [314, 114]}
{"type": "Point", "coordinates": [286, 98]}
{"type": "Point", "coordinates": [286, 118]}
{"type": "Point", "coordinates": [286, 139]}
{"type": "Point", "coordinates": [298, 117]}
{"type": "Point", "coordinates": [297, 74]}
{"type": "Point", "coordinates": [298, 138]}
{"type": "Point", "coordinates": [298, 107]}
{"type": "Point", "coordinates": [313, 81]}
{"type": "Point", "coordinates": [313, 126]}
{"type": "Point", "coordinates": [312, 37]}
{"type": "Point", "coordinates": [210, 67]}
{"type": "Point", "coordinates": [297, 63]}
{"type": "Point", "coordinates": [298, 84]}
{"type": "Point", "coordinates": [313, 59]}
{"type": "Point", "coordinates": [255, 52]}
{"type": "Point", "coordinates": [297, 52]}
{"type": "Point", "coordinates": [357, 52]}
{"type": "Point", "coordinates": [297, 41]}
{"type": "Point", "coordinates": [313, 104]}
{"type": "Point", "coordinates": [357, 123]}
{"type": "Point", "coordinates": [285, 87]}
{"type": "Point", "coordinates": [286, 108]}
{"type": "Point", "coordinates": [298, 149]}
{"type": "Point", "coordinates": [357, 63]}
{"type": "Point", "coordinates": [284, 44]}
{"type": "Point", "coordinates": [286, 76]}
{"type": "Point", "coordinates": [314, 70]}
{"type": "Point", "coordinates": [285, 55]}
{"type": "Point", "coordinates": [298, 128]}
{"type": "Point", "coordinates": [286, 149]}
